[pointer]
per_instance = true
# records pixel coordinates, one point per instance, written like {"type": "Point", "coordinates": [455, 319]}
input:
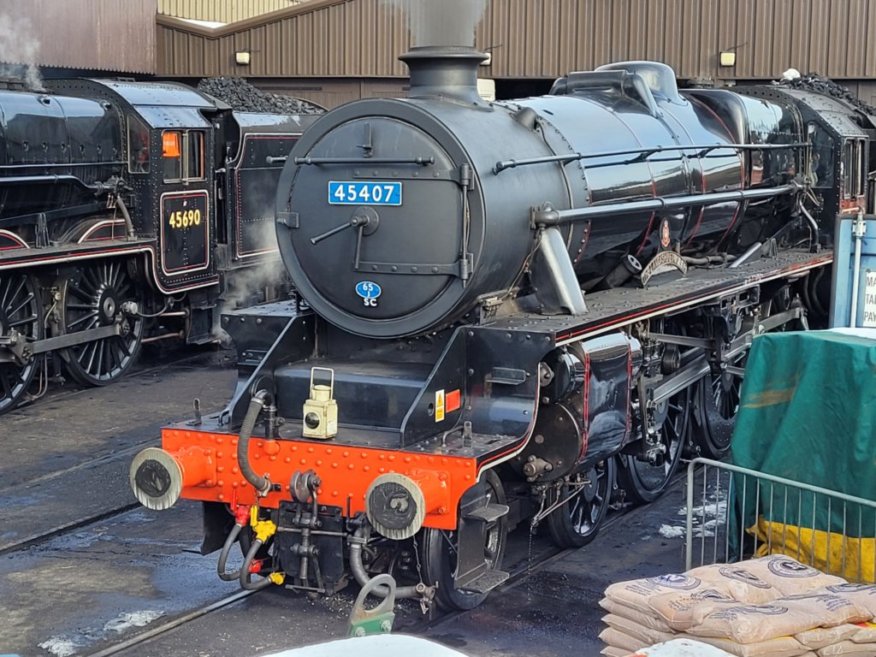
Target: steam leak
{"type": "Point", "coordinates": [19, 48]}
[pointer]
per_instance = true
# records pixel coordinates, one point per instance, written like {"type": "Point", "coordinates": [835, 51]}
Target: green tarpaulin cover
{"type": "Point", "coordinates": [808, 413]}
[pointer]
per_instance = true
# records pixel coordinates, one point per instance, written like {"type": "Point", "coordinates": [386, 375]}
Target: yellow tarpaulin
{"type": "Point", "coordinates": [834, 553]}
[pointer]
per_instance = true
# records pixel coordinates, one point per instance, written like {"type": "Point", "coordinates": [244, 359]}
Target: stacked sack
{"type": "Point", "coordinates": [768, 607]}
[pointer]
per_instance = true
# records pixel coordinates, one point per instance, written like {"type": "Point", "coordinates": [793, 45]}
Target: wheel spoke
{"type": "Point", "coordinates": [30, 297]}
{"type": "Point", "coordinates": [84, 318]}
{"type": "Point", "coordinates": [8, 301]}
{"type": "Point", "coordinates": [5, 293]}
{"type": "Point", "coordinates": [100, 347]}
{"type": "Point", "coordinates": [21, 322]}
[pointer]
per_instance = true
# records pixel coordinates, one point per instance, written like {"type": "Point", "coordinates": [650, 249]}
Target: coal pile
{"type": "Point", "coordinates": [244, 97]}
{"type": "Point", "coordinates": [822, 85]}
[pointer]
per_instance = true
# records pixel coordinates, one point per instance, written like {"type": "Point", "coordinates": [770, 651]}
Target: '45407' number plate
{"type": "Point", "coordinates": [364, 193]}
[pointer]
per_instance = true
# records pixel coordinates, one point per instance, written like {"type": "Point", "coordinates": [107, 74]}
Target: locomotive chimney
{"type": "Point", "coordinates": [444, 71]}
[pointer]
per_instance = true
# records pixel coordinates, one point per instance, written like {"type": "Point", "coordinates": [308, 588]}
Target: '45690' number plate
{"type": "Point", "coordinates": [364, 193]}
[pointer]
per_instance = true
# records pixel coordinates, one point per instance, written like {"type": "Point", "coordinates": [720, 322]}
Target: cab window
{"type": "Point", "coordinates": [854, 169]}
{"type": "Point", "coordinates": [183, 155]}
{"type": "Point", "coordinates": [848, 170]}
{"type": "Point", "coordinates": [138, 146]}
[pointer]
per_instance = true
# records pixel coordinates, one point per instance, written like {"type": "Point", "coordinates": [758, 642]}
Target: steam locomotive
{"type": "Point", "coordinates": [123, 203]}
{"type": "Point", "coordinates": [516, 312]}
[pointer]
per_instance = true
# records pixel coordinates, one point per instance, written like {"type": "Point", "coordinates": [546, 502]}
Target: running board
{"type": "Point", "coordinates": [615, 309]}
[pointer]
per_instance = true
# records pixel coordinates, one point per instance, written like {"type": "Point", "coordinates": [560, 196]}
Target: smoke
{"type": "Point", "coordinates": [258, 283]}
{"type": "Point", "coordinates": [19, 47]}
{"type": "Point", "coordinates": [442, 22]}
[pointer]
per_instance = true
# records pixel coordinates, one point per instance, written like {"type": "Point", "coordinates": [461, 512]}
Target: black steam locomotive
{"type": "Point", "coordinates": [516, 311]}
{"type": "Point", "coordinates": [123, 203]}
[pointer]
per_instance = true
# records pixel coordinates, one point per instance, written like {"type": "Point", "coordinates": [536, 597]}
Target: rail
{"type": "Point", "coordinates": [734, 513]}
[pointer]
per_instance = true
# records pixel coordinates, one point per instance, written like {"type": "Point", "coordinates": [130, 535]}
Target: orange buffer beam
{"type": "Point", "coordinates": [345, 472]}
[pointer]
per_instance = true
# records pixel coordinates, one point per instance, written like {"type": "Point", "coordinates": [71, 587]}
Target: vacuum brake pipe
{"type": "Point", "coordinates": [262, 484]}
{"type": "Point", "coordinates": [224, 575]}
{"type": "Point", "coordinates": [360, 537]}
{"type": "Point", "coordinates": [245, 577]}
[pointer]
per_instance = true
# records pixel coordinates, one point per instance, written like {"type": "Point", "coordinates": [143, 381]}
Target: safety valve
{"type": "Point", "coordinates": [321, 409]}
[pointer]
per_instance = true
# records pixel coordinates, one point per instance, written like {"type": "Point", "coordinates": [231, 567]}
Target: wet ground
{"type": "Point", "coordinates": [114, 570]}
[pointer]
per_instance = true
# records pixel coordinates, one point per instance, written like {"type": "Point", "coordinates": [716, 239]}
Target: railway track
{"type": "Point", "coordinates": [540, 555]}
{"type": "Point", "coordinates": [37, 481]}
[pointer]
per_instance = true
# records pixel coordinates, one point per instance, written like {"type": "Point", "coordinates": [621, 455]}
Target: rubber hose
{"type": "Point", "coordinates": [246, 582]}
{"type": "Point", "coordinates": [361, 575]}
{"type": "Point", "coordinates": [261, 484]}
{"type": "Point", "coordinates": [223, 556]}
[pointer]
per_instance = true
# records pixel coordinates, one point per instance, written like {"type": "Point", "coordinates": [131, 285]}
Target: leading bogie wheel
{"type": "Point", "coordinates": [439, 549]}
{"type": "Point", "coordinates": [21, 320]}
{"type": "Point", "coordinates": [96, 296]}
{"type": "Point", "coordinates": [583, 500]}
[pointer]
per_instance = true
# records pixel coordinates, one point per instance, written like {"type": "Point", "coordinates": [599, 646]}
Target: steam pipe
{"type": "Point", "coordinates": [750, 252]}
{"type": "Point", "coordinates": [259, 400]}
{"type": "Point", "coordinates": [129, 225]}
{"type": "Point", "coordinates": [547, 216]}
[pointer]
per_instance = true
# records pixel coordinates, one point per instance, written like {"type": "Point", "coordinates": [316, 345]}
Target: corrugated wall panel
{"type": "Point", "coordinates": [819, 27]}
{"type": "Point", "coordinates": [798, 23]}
{"type": "Point", "coordinates": [544, 38]}
{"type": "Point", "coordinates": [728, 36]}
{"type": "Point", "coordinates": [869, 45]}
{"type": "Point", "coordinates": [709, 46]}
{"type": "Point", "coordinates": [567, 41]}
{"type": "Point", "coordinates": [548, 44]}
{"type": "Point", "coordinates": [654, 30]}
{"type": "Point", "coordinates": [837, 42]}
{"type": "Point", "coordinates": [674, 35]}
{"type": "Point", "coordinates": [110, 35]}
{"type": "Point", "coordinates": [857, 35]}
{"type": "Point", "coordinates": [619, 31]}
{"type": "Point", "coordinates": [539, 40]}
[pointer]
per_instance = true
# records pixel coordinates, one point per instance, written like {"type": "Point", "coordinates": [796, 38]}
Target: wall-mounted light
{"type": "Point", "coordinates": [242, 57]}
{"type": "Point", "coordinates": [727, 58]}
{"type": "Point", "coordinates": [489, 60]}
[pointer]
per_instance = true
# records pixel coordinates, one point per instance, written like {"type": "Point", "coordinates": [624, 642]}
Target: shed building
{"type": "Point", "coordinates": [334, 51]}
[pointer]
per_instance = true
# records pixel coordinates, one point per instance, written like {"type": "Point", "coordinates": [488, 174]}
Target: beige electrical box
{"type": "Point", "coordinates": [321, 409]}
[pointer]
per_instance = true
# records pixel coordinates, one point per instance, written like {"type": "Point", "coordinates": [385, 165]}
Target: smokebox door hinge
{"type": "Point", "coordinates": [289, 219]}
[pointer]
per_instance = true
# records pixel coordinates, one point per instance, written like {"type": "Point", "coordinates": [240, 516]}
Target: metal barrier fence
{"type": "Point", "coordinates": [734, 513]}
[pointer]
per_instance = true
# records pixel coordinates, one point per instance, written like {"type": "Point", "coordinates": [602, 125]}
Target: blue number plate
{"type": "Point", "coordinates": [364, 193]}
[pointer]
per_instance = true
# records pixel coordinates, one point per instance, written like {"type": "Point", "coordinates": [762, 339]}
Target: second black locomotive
{"type": "Point", "coordinates": [125, 205]}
